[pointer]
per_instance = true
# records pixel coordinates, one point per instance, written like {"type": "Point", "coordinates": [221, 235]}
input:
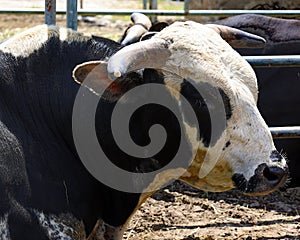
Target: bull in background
{"type": "Point", "coordinates": [241, 4]}
{"type": "Point", "coordinates": [245, 4]}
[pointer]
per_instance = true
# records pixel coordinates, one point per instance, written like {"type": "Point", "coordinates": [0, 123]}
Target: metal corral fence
{"type": "Point", "coordinates": [72, 13]}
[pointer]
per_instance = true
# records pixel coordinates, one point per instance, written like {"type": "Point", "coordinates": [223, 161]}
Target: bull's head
{"type": "Point", "coordinates": [234, 150]}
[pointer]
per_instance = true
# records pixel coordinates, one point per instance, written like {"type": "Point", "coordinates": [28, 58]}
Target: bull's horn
{"type": "Point", "coordinates": [133, 34]}
{"type": "Point", "coordinates": [238, 38]}
{"type": "Point", "coordinates": [139, 18]}
{"type": "Point", "coordinates": [145, 54]}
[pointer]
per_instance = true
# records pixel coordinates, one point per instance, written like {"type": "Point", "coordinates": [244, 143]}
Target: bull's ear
{"type": "Point", "coordinates": [93, 75]}
{"type": "Point", "coordinates": [147, 35]}
{"type": "Point", "coordinates": [157, 27]}
{"type": "Point", "coordinates": [238, 38]}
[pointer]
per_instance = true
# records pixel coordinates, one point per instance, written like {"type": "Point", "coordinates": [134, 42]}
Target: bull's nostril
{"type": "Point", "coordinates": [265, 180]}
{"type": "Point", "coordinates": [273, 174]}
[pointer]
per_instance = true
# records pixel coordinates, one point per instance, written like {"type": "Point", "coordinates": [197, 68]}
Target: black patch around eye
{"type": "Point", "coordinates": [203, 107]}
{"type": "Point", "coordinates": [226, 102]}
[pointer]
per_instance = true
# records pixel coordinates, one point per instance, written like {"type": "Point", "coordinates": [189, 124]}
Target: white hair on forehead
{"type": "Point", "coordinates": [200, 52]}
{"type": "Point", "coordinates": [27, 42]}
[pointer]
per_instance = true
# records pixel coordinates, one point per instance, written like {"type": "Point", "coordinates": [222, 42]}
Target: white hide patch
{"type": "Point", "coordinates": [25, 43]}
{"type": "Point", "coordinates": [62, 227]}
{"type": "Point", "coordinates": [202, 55]}
{"type": "Point", "coordinates": [4, 230]}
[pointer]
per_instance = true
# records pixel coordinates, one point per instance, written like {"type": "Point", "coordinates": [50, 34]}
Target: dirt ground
{"type": "Point", "coordinates": [182, 212]}
{"type": "Point", "coordinates": [179, 211]}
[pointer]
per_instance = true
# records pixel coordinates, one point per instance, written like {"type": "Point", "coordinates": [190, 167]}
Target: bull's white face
{"type": "Point", "coordinates": [244, 155]}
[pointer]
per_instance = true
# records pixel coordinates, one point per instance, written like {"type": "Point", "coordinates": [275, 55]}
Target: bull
{"type": "Point", "coordinates": [48, 171]}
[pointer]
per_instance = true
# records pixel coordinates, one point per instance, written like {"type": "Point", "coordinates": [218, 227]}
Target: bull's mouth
{"type": "Point", "coordinates": [266, 179]}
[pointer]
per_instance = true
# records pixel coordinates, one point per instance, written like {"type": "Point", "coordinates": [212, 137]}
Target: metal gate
{"type": "Point", "coordinates": [257, 61]}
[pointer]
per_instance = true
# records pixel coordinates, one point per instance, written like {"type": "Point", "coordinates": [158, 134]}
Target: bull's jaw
{"type": "Point", "coordinates": [219, 179]}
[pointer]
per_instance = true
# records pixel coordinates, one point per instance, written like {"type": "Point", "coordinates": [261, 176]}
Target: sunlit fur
{"type": "Point", "coordinates": [25, 43]}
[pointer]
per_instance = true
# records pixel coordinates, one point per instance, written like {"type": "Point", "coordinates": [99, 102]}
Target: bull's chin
{"type": "Point", "coordinates": [211, 188]}
{"type": "Point", "coordinates": [258, 194]}
{"type": "Point", "coordinates": [203, 185]}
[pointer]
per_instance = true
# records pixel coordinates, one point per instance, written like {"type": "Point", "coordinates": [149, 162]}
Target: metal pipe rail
{"type": "Point", "coordinates": [72, 14]}
{"type": "Point", "coordinates": [285, 132]}
{"type": "Point", "coordinates": [278, 61]}
{"type": "Point", "coordinates": [204, 13]}
{"type": "Point", "coordinates": [258, 61]}
{"type": "Point", "coordinates": [274, 61]}
{"type": "Point", "coordinates": [50, 12]}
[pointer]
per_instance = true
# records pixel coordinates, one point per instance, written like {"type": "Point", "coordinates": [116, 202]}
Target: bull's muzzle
{"type": "Point", "coordinates": [265, 180]}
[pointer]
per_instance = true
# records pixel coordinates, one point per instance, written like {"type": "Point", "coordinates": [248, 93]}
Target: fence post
{"type": "Point", "coordinates": [187, 6]}
{"type": "Point", "coordinates": [153, 5]}
{"type": "Point", "coordinates": [72, 14]}
{"type": "Point", "coordinates": [50, 12]}
{"type": "Point", "coordinates": [145, 4]}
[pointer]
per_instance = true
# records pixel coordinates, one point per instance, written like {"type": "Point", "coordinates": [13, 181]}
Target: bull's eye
{"type": "Point", "coordinates": [215, 100]}
{"type": "Point", "coordinates": [226, 102]}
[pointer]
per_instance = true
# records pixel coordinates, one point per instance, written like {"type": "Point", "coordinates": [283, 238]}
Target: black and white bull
{"type": "Point", "coordinates": [278, 101]}
{"type": "Point", "coordinates": [45, 190]}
